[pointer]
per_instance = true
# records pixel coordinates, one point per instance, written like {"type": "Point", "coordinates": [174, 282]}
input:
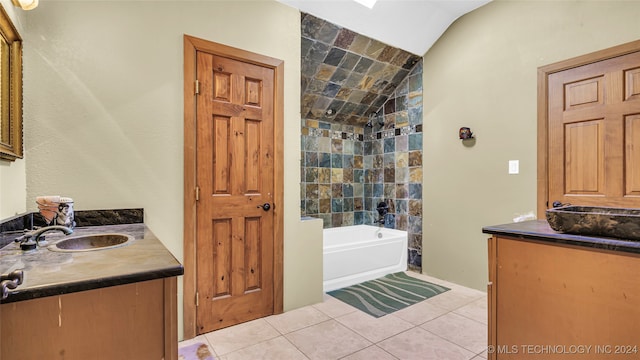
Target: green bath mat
{"type": "Point", "coordinates": [387, 294]}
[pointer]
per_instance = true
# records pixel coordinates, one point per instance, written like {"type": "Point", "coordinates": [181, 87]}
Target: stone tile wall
{"type": "Point", "coordinates": [393, 163]}
{"type": "Point", "coordinates": [347, 170]}
{"type": "Point", "coordinates": [345, 75]}
{"type": "Point", "coordinates": [332, 173]}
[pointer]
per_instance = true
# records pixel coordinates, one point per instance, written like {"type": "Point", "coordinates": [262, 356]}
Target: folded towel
{"type": "Point", "coordinates": [48, 200]}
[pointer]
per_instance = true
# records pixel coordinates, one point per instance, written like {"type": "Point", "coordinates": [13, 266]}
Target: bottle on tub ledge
{"type": "Point", "coordinates": [57, 210]}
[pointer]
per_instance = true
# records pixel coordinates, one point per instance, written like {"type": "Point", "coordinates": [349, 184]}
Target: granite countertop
{"type": "Point", "coordinates": [48, 273]}
{"type": "Point", "coordinates": [540, 230]}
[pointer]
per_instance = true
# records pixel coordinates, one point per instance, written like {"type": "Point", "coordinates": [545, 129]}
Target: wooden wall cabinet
{"type": "Point", "coordinates": [132, 321]}
{"type": "Point", "coordinates": [554, 301]}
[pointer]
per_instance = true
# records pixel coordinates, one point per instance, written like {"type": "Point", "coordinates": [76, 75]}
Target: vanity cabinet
{"type": "Point", "coordinates": [552, 299]}
{"type": "Point", "coordinates": [132, 321]}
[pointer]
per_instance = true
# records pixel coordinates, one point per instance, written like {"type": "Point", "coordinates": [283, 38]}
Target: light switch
{"type": "Point", "coordinates": [514, 166]}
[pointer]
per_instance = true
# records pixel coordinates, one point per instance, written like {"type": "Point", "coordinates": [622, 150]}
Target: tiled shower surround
{"type": "Point", "coordinates": [347, 170]}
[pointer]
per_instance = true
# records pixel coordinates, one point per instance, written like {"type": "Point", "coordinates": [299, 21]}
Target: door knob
{"type": "Point", "coordinates": [265, 206]}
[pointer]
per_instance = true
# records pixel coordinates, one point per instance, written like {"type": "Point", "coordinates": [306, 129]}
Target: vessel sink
{"type": "Point", "coordinates": [91, 242]}
{"type": "Point", "coordinates": [596, 221]}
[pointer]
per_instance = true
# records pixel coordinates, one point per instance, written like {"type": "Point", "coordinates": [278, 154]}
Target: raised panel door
{"type": "Point", "coordinates": [593, 134]}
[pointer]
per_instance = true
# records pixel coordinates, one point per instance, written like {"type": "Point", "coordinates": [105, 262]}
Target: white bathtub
{"type": "Point", "coordinates": [353, 254]}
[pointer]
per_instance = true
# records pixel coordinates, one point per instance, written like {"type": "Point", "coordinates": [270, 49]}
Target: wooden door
{"type": "Point", "coordinates": [235, 177]}
{"type": "Point", "coordinates": [594, 133]}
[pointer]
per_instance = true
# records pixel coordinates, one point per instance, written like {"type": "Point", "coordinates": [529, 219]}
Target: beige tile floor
{"type": "Point", "coordinates": [450, 326]}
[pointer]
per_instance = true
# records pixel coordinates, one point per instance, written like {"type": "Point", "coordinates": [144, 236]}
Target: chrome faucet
{"type": "Point", "coordinates": [36, 233]}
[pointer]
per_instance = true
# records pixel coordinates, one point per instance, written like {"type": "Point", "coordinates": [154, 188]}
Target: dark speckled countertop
{"type": "Point", "coordinates": [48, 273]}
{"type": "Point", "coordinates": [540, 230]}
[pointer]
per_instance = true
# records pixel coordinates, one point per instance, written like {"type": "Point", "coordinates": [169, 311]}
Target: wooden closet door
{"type": "Point", "coordinates": [235, 174]}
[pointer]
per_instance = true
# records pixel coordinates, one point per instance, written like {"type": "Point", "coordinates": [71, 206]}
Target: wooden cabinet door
{"type": "Point", "coordinates": [594, 133]}
{"type": "Point", "coordinates": [132, 321]}
{"type": "Point", "coordinates": [553, 301]}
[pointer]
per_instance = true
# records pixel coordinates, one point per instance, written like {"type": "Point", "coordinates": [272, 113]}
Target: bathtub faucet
{"type": "Point", "coordinates": [383, 209]}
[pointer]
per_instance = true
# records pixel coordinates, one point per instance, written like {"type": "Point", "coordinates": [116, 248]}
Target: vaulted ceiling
{"type": "Point", "coordinates": [411, 25]}
{"type": "Point", "coordinates": [347, 76]}
{"type": "Point", "coordinates": [353, 57]}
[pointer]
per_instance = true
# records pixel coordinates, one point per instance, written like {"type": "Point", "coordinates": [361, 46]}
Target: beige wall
{"type": "Point", "coordinates": [13, 188]}
{"type": "Point", "coordinates": [13, 181]}
{"type": "Point", "coordinates": [482, 74]}
{"type": "Point", "coordinates": [104, 109]}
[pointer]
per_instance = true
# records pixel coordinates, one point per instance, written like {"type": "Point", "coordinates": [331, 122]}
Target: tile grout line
{"type": "Point", "coordinates": [456, 344]}
{"type": "Point", "coordinates": [294, 345]}
{"type": "Point", "coordinates": [244, 347]}
{"type": "Point", "coordinates": [466, 317]}
{"type": "Point", "coordinates": [364, 348]}
{"type": "Point", "coordinates": [304, 327]}
{"type": "Point", "coordinates": [388, 337]}
{"type": "Point", "coordinates": [339, 323]}
{"type": "Point", "coordinates": [447, 340]}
